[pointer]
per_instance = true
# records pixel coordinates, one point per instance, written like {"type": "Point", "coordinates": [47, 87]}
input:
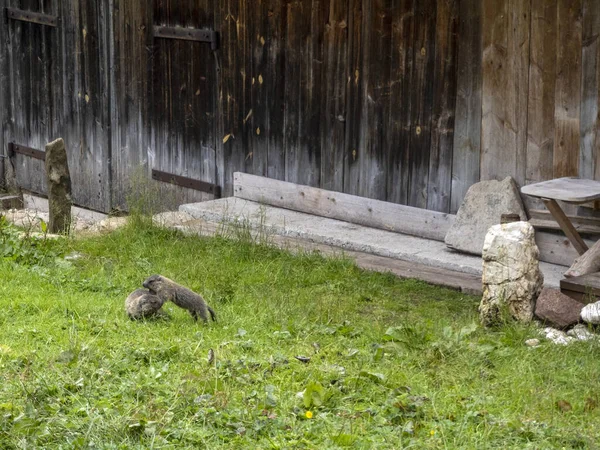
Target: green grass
{"type": "Point", "coordinates": [393, 364]}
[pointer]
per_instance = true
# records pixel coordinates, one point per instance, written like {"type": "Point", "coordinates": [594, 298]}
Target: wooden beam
{"type": "Point", "coordinates": [27, 151]}
{"type": "Point", "coordinates": [189, 183]}
{"type": "Point", "coordinates": [32, 17]}
{"type": "Point", "coordinates": [543, 220]}
{"type": "Point", "coordinates": [566, 225]}
{"type": "Point", "coordinates": [556, 248]}
{"type": "Point", "coordinates": [187, 34]}
{"type": "Point", "coordinates": [350, 208]}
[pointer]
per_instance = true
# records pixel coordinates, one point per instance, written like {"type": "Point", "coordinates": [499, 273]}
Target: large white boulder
{"type": "Point", "coordinates": [511, 278]}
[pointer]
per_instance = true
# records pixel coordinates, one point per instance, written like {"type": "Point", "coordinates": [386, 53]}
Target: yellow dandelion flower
{"type": "Point", "coordinates": [432, 432]}
{"type": "Point", "coordinates": [309, 414]}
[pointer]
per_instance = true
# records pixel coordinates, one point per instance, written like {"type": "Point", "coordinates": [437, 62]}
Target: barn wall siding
{"type": "Point", "coordinates": [399, 100]}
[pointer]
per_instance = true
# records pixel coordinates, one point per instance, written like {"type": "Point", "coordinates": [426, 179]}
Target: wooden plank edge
{"type": "Point", "coordinates": [350, 208]}
{"type": "Point", "coordinates": [544, 220]}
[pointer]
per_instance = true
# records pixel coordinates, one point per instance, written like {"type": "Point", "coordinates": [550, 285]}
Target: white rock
{"type": "Point", "coordinates": [511, 277]}
{"type": "Point", "coordinates": [581, 333]}
{"type": "Point", "coordinates": [557, 336]}
{"type": "Point", "coordinates": [591, 313]}
{"type": "Point", "coordinates": [532, 342]}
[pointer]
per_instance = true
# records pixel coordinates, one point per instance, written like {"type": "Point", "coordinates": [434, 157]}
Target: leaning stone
{"type": "Point", "coordinates": [591, 313]}
{"type": "Point", "coordinates": [556, 309]}
{"type": "Point", "coordinates": [511, 276]}
{"type": "Point", "coordinates": [482, 207]}
{"type": "Point", "coordinates": [59, 187]}
{"type": "Point", "coordinates": [581, 333]}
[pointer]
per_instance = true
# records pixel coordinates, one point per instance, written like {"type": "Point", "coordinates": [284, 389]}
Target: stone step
{"type": "Point", "coordinates": [347, 236]}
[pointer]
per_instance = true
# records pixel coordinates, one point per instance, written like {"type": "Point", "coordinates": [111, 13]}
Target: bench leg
{"type": "Point", "coordinates": [566, 225]}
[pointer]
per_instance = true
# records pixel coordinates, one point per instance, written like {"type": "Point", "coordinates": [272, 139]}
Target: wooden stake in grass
{"type": "Point", "coordinates": [59, 187]}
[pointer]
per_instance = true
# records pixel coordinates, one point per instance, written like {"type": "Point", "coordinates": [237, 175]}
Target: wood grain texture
{"type": "Point", "coordinates": [506, 27]}
{"type": "Point", "coordinates": [439, 186]}
{"type": "Point", "coordinates": [398, 127]}
{"type": "Point", "coordinates": [568, 89]}
{"type": "Point", "coordinates": [376, 105]}
{"type": "Point", "coordinates": [131, 83]}
{"type": "Point", "coordinates": [421, 101]}
{"type": "Point", "coordinates": [333, 109]}
{"type": "Point", "coordinates": [566, 226]}
{"type": "Point", "coordinates": [589, 154]}
{"type": "Point", "coordinates": [356, 79]}
{"type": "Point", "coordinates": [542, 80]}
{"type": "Point", "coordinates": [542, 219]}
{"type": "Point", "coordinates": [275, 43]}
{"type": "Point", "coordinates": [5, 112]}
{"type": "Point", "coordinates": [571, 190]}
{"type": "Point", "coordinates": [467, 128]}
{"type": "Point", "coordinates": [400, 100]}
{"type": "Point", "coordinates": [556, 248]}
{"type": "Point", "coordinates": [235, 85]}
{"type": "Point", "coordinates": [350, 208]}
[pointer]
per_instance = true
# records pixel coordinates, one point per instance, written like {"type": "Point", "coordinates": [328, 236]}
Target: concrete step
{"type": "Point", "coordinates": [347, 236]}
{"type": "Point", "coordinates": [11, 202]}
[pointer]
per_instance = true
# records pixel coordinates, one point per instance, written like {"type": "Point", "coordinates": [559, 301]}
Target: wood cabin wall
{"type": "Point", "coordinates": [400, 100]}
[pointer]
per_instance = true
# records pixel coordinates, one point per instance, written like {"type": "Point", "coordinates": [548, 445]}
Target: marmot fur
{"type": "Point", "coordinates": [142, 303]}
{"type": "Point", "coordinates": [183, 297]}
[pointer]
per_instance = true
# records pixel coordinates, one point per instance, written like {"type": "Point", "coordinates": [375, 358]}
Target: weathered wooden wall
{"type": "Point", "coordinates": [400, 100]}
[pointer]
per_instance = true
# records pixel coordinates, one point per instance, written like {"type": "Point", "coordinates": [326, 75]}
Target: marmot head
{"type": "Point", "coordinates": [153, 283]}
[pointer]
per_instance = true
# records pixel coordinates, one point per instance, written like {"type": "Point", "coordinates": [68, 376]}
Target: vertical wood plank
{"type": "Point", "coordinates": [422, 101]}
{"type": "Point", "coordinates": [506, 25]}
{"type": "Point", "coordinates": [257, 113]}
{"type": "Point", "coordinates": [295, 19]}
{"type": "Point", "coordinates": [444, 104]}
{"type": "Point", "coordinates": [303, 79]}
{"type": "Point", "coordinates": [234, 89]}
{"type": "Point", "coordinates": [356, 78]}
{"type": "Point", "coordinates": [589, 156]}
{"type": "Point", "coordinates": [401, 65]}
{"type": "Point", "coordinates": [467, 129]}
{"type": "Point", "coordinates": [519, 43]}
{"type": "Point", "coordinates": [335, 71]}
{"type": "Point", "coordinates": [311, 86]}
{"type": "Point", "coordinates": [4, 94]}
{"type": "Point", "coordinates": [275, 87]}
{"type": "Point", "coordinates": [131, 90]}
{"type": "Point", "coordinates": [375, 148]}
{"type": "Point", "coordinates": [542, 81]}
{"type": "Point", "coordinates": [568, 89]}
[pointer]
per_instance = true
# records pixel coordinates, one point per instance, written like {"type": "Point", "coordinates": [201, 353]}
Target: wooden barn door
{"type": "Point", "coordinates": [184, 84]}
{"type": "Point", "coordinates": [55, 62]}
{"type": "Point", "coordinates": [29, 64]}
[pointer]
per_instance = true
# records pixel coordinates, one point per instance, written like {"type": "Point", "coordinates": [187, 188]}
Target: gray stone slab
{"type": "Point", "coordinates": [482, 207]}
{"type": "Point", "coordinates": [283, 222]}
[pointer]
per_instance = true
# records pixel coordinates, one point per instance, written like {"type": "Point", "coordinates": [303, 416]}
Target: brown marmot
{"type": "Point", "coordinates": [141, 304]}
{"type": "Point", "coordinates": [183, 297]}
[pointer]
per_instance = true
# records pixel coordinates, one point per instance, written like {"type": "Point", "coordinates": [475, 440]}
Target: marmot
{"type": "Point", "coordinates": [142, 303]}
{"type": "Point", "coordinates": [183, 297]}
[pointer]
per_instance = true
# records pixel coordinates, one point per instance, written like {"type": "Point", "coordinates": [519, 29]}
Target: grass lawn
{"type": "Point", "coordinates": [393, 364]}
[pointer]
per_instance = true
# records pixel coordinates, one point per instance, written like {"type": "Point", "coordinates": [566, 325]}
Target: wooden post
{"type": "Point", "coordinates": [59, 187]}
{"type": "Point", "coordinates": [566, 225]}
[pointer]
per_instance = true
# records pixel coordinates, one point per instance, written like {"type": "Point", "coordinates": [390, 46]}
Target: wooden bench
{"type": "Point", "coordinates": [569, 190]}
{"type": "Point", "coordinates": [585, 289]}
